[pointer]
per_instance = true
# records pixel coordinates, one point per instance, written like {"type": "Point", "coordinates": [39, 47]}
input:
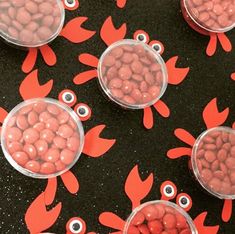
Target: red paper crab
{"type": "Point", "coordinates": [94, 147]}
{"type": "Point", "coordinates": [137, 190]}
{"type": "Point", "coordinates": [109, 35]}
{"type": "Point", "coordinates": [212, 118]}
{"type": "Point", "coordinates": [72, 31]}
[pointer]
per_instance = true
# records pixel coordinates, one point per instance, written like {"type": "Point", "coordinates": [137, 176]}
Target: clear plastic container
{"type": "Point", "coordinates": [132, 74]}
{"type": "Point", "coordinates": [213, 161]}
{"type": "Point", "coordinates": [42, 138]}
{"type": "Point", "coordinates": [159, 216]}
{"type": "Point", "coordinates": [207, 16]}
{"type": "Point", "coordinates": [27, 23]}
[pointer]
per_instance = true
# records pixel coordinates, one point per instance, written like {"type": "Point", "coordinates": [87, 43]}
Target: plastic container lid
{"type": "Point", "coordinates": [214, 16]}
{"type": "Point", "coordinates": [213, 161]}
{"type": "Point", "coordinates": [42, 138]}
{"type": "Point", "coordinates": [28, 23]}
{"type": "Point", "coordinates": [132, 74]}
{"type": "Point", "coordinates": [159, 216]}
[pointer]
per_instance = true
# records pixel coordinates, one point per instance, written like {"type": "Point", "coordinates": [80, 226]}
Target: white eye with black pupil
{"type": "Point", "coordinates": [169, 191]}
{"type": "Point", "coordinates": [157, 47]}
{"type": "Point", "coordinates": [141, 37]}
{"type": "Point", "coordinates": [75, 226]}
{"type": "Point", "coordinates": [70, 3]}
{"type": "Point", "coordinates": [184, 202]}
{"type": "Point", "coordinates": [82, 111]}
{"type": "Point", "coordinates": [68, 97]}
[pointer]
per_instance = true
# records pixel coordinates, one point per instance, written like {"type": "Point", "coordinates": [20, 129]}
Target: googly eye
{"type": "Point", "coordinates": [184, 201]}
{"type": "Point", "coordinates": [68, 97]}
{"type": "Point", "coordinates": [76, 226]}
{"type": "Point", "coordinates": [168, 190]}
{"type": "Point", "coordinates": [71, 4]}
{"type": "Point", "coordinates": [157, 46]}
{"type": "Point", "coordinates": [142, 36]}
{"type": "Point", "coordinates": [83, 111]}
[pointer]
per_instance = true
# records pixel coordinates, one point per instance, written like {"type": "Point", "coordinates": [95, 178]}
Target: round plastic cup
{"type": "Point", "coordinates": [27, 23]}
{"type": "Point", "coordinates": [213, 162]}
{"type": "Point", "coordinates": [132, 74]}
{"type": "Point", "coordinates": [207, 16]}
{"type": "Point", "coordinates": [159, 216]}
{"type": "Point", "coordinates": [42, 138]}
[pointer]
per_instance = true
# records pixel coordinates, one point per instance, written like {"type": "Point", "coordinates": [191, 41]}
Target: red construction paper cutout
{"type": "Point", "coordinates": [225, 42]}
{"type": "Point", "coordinates": [30, 87]}
{"type": "Point", "coordinates": [50, 191]}
{"type": "Point", "coordinates": [136, 188]}
{"type": "Point", "coordinates": [162, 108]}
{"type": "Point", "coordinates": [202, 229]}
{"type": "Point", "coordinates": [3, 114]}
{"type": "Point", "coordinates": [80, 221]}
{"type": "Point", "coordinates": [70, 182]}
{"type": "Point", "coordinates": [75, 7]}
{"type": "Point", "coordinates": [84, 77]}
{"type": "Point", "coordinates": [30, 60]}
{"type": "Point", "coordinates": [227, 210]}
{"type": "Point", "coordinates": [38, 218]}
{"type": "Point", "coordinates": [212, 45]}
{"type": "Point", "coordinates": [212, 117]}
{"type": "Point", "coordinates": [175, 75]}
{"type": "Point", "coordinates": [94, 145]}
{"type": "Point", "coordinates": [190, 204]}
{"type": "Point", "coordinates": [184, 136]}
{"type": "Point", "coordinates": [121, 3]}
{"type": "Point", "coordinates": [148, 118]}
{"type": "Point", "coordinates": [109, 34]}
{"type": "Point", "coordinates": [111, 220]}
{"type": "Point", "coordinates": [179, 152]}
{"type": "Point", "coordinates": [48, 55]}
{"type": "Point", "coordinates": [89, 60]}
{"type": "Point", "coordinates": [139, 32]}
{"type": "Point", "coordinates": [163, 185]}
{"type": "Point", "coordinates": [233, 76]}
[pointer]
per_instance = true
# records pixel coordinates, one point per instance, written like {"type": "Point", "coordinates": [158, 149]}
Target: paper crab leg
{"type": "Point", "coordinates": [233, 76]}
{"type": "Point", "coordinates": [3, 114]}
{"type": "Point", "coordinates": [50, 191]}
{"type": "Point", "coordinates": [225, 42]}
{"type": "Point", "coordinates": [162, 108]}
{"type": "Point", "coordinates": [179, 152]}
{"type": "Point", "coordinates": [111, 220]}
{"type": "Point", "coordinates": [48, 55]}
{"type": "Point", "coordinates": [184, 136]}
{"type": "Point", "coordinates": [89, 60]}
{"type": "Point", "coordinates": [121, 3]}
{"type": "Point", "coordinates": [84, 77]}
{"type": "Point", "coordinates": [227, 210]}
{"type": "Point", "coordinates": [148, 118]}
{"type": "Point", "coordinates": [70, 182]}
{"type": "Point", "coordinates": [212, 45]}
{"type": "Point", "coordinates": [30, 60]}
{"type": "Point", "coordinates": [212, 117]}
{"type": "Point", "coordinates": [135, 188]}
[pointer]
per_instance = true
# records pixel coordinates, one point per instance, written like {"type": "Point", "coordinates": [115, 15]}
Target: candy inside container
{"type": "Point", "coordinates": [213, 161]}
{"type": "Point", "coordinates": [42, 138]}
{"type": "Point", "coordinates": [159, 217]}
{"type": "Point", "coordinates": [29, 23]}
{"type": "Point", "coordinates": [132, 74]}
{"type": "Point", "coordinates": [209, 15]}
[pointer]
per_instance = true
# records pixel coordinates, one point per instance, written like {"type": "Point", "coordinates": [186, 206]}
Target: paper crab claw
{"type": "Point", "coordinates": [212, 45]}
{"type": "Point", "coordinates": [48, 55]}
{"type": "Point", "coordinates": [94, 145]}
{"type": "Point", "coordinates": [30, 88]}
{"type": "Point", "coordinates": [227, 210]}
{"type": "Point", "coordinates": [30, 60]}
{"type": "Point", "coordinates": [38, 218]}
{"type": "Point", "coordinates": [121, 3]}
{"type": "Point", "coordinates": [110, 34]}
{"type": "Point", "coordinates": [175, 75]}
{"type": "Point", "coordinates": [202, 229]}
{"type": "Point", "coordinates": [73, 31]}
{"type": "Point", "coordinates": [135, 188]}
{"type": "Point", "coordinates": [111, 220]}
{"type": "Point", "coordinates": [184, 136]}
{"type": "Point", "coordinates": [233, 76]}
{"type": "Point", "coordinates": [179, 152]}
{"type": "Point", "coordinates": [70, 181]}
{"type": "Point", "coordinates": [212, 117]}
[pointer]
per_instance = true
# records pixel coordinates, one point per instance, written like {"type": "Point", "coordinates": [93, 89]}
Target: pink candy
{"type": "Point", "coordinates": [29, 22]}
{"type": "Point", "coordinates": [132, 74]}
{"type": "Point", "coordinates": [212, 15]}
{"type": "Point", "coordinates": [42, 137]}
{"type": "Point", "coordinates": [214, 161]}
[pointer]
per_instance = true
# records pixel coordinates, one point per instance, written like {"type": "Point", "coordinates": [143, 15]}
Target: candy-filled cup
{"type": "Point", "coordinates": [42, 138]}
{"type": "Point", "coordinates": [159, 217]}
{"type": "Point", "coordinates": [213, 161]}
{"type": "Point", "coordinates": [132, 74]}
{"type": "Point", "coordinates": [29, 23]}
{"type": "Point", "coordinates": [207, 16]}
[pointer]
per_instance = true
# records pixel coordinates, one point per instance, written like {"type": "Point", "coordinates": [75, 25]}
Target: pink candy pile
{"type": "Point", "coordinates": [42, 137]}
{"type": "Point", "coordinates": [215, 161]}
{"type": "Point", "coordinates": [30, 22]}
{"type": "Point", "coordinates": [158, 219]}
{"type": "Point", "coordinates": [212, 14]}
{"type": "Point", "coordinates": [131, 74]}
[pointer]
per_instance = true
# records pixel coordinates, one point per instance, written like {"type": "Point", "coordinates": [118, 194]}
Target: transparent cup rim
{"type": "Point", "coordinates": [194, 163]}
{"type": "Point", "coordinates": [166, 203]}
{"type": "Point", "coordinates": [159, 60]}
{"type": "Point", "coordinates": [222, 30]}
{"type": "Point", "coordinates": [22, 169]}
{"type": "Point", "coordinates": [12, 41]}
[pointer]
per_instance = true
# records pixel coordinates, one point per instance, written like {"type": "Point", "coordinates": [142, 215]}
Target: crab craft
{"type": "Point", "coordinates": [211, 19]}
{"type": "Point", "coordinates": [110, 35]}
{"type": "Point", "coordinates": [213, 119]}
{"type": "Point", "coordinates": [37, 217]}
{"type": "Point", "coordinates": [136, 190]}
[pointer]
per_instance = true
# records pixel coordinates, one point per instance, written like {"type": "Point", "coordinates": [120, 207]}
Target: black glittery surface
{"type": "Point", "coordinates": [102, 180]}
